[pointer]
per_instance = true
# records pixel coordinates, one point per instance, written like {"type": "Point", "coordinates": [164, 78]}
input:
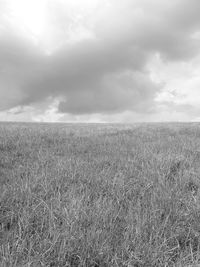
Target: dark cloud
{"type": "Point", "coordinates": [168, 27]}
{"type": "Point", "coordinates": [107, 73]}
{"type": "Point", "coordinates": [91, 74]}
{"type": "Point", "coordinates": [115, 93]}
{"type": "Point", "coordinates": [20, 61]}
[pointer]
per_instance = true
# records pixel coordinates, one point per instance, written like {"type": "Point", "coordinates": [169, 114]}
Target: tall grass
{"type": "Point", "coordinates": [99, 195]}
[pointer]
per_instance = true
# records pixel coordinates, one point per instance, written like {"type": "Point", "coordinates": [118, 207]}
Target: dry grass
{"type": "Point", "coordinates": [99, 195]}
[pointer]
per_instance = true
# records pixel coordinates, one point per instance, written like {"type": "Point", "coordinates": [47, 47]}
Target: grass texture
{"type": "Point", "coordinates": [103, 195]}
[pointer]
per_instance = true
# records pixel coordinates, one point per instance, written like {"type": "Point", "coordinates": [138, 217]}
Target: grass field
{"type": "Point", "coordinates": [99, 195]}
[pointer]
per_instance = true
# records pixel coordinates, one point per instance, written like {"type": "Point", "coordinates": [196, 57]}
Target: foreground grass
{"type": "Point", "coordinates": [99, 195]}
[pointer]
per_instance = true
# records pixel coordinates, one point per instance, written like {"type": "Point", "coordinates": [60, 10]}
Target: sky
{"type": "Point", "coordinates": [99, 60]}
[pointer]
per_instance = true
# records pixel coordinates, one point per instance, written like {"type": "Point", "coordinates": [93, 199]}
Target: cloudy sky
{"type": "Point", "coordinates": [100, 60]}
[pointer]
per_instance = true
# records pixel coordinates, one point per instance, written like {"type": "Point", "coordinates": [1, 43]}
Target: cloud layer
{"type": "Point", "coordinates": [103, 63]}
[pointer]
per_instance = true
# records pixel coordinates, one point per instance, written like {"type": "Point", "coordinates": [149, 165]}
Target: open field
{"type": "Point", "coordinates": [99, 195]}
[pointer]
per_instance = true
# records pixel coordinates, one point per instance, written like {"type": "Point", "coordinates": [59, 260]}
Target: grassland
{"type": "Point", "coordinates": [99, 195]}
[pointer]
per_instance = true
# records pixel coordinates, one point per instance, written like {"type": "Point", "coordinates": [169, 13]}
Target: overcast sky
{"type": "Point", "coordinates": [100, 60]}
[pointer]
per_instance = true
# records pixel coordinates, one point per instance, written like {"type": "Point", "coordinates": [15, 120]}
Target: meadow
{"type": "Point", "coordinates": [99, 195]}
